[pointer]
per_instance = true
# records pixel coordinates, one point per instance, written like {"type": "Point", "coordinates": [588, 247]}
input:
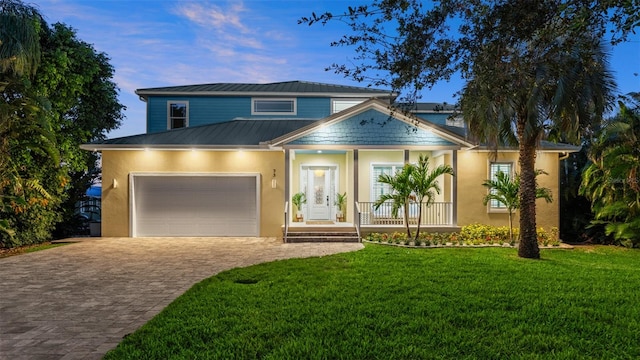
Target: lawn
{"type": "Point", "coordinates": [394, 303]}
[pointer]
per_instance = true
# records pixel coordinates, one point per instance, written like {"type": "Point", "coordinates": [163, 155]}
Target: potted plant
{"type": "Point", "coordinates": [298, 200]}
{"type": "Point", "coordinates": [341, 201]}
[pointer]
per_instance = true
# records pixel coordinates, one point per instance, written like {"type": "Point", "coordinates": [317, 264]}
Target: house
{"type": "Point", "coordinates": [225, 160]}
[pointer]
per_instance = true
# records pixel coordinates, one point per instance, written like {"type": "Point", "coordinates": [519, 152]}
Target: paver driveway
{"type": "Point", "coordinates": [77, 301]}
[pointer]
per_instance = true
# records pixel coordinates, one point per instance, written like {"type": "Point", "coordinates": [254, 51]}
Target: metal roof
{"type": "Point", "coordinates": [277, 88]}
{"type": "Point", "coordinates": [432, 107]}
{"type": "Point", "coordinates": [235, 133]}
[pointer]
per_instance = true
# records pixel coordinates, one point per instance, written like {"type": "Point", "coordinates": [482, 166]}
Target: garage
{"type": "Point", "coordinates": [195, 205]}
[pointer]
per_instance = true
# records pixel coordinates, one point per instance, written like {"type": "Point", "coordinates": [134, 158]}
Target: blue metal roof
{"type": "Point", "coordinates": [231, 133]}
{"type": "Point", "coordinates": [287, 87]}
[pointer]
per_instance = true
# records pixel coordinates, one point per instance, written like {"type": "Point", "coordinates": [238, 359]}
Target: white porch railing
{"type": "Point", "coordinates": [437, 213]}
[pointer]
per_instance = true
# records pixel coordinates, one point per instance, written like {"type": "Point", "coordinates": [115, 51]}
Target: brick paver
{"type": "Point", "coordinates": [77, 301]}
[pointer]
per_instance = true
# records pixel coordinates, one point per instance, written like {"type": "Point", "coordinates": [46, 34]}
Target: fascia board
{"type": "Point", "coordinates": [122, 147]}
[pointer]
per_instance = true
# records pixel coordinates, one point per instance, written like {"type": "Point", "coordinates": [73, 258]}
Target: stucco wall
{"type": "Point", "coordinates": [119, 164]}
{"type": "Point", "coordinates": [473, 169]}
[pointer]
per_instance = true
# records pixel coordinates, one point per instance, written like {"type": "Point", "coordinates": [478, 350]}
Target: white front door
{"type": "Point", "coordinates": [318, 193]}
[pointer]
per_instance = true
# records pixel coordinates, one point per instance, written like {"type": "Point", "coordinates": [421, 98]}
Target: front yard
{"type": "Point", "coordinates": [400, 303]}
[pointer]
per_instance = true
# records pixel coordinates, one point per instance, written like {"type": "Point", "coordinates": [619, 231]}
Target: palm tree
{"type": "Point", "coordinates": [507, 191]}
{"type": "Point", "coordinates": [425, 185]}
{"type": "Point", "coordinates": [20, 25]}
{"type": "Point", "coordinates": [401, 194]}
{"type": "Point", "coordinates": [521, 91]}
{"type": "Point", "coordinates": [612, 181]}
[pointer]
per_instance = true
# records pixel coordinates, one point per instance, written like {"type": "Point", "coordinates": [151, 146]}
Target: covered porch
{"type": "Point", "coordinates": [321, 175]}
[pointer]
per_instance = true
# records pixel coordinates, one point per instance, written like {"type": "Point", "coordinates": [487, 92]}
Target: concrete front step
{"type": "Point", "coordinates": [322, 236]}
{"type": "Point", "coordinates": [315, 239]}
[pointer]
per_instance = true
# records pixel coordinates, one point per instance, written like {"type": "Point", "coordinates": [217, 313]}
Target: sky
{"type": "Point", "coordinates": [155, 43]}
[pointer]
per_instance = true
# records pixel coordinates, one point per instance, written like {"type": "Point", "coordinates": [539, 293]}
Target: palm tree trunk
{"type": "Point", "coordinates": [419, 220]}
{"type": "Point", "coordinates": [406, 218]}
{"type": "Point", "coordinates": [510, 225]}
{"type": "Point", "coordinates": [528, 247]}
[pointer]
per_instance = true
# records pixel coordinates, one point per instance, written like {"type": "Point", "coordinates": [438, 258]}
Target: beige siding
{"type": "Point", "coordinates": [473, 169]}
{"type": "Point", "coordinates": [119, 164]}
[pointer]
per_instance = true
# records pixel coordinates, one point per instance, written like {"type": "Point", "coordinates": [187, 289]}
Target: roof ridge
{"type": "Point", "coordinates": [281, 86]}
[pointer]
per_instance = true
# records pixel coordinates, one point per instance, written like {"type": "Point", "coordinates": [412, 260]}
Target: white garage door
{"type": "Point", "coordinates": [193, 205]}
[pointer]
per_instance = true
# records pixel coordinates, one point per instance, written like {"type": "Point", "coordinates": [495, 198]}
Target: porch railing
{"type": "Point", "coordinates": [437, 213]}
{"type": "Point", "coordinates": [358, 219]}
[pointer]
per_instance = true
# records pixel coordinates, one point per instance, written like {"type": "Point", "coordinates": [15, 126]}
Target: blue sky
{"type": "Point", "coordinates": [155, 43]}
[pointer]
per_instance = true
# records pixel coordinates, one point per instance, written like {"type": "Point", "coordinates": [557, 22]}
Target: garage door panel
{"type": "Point", "coordinates": [195, 205]}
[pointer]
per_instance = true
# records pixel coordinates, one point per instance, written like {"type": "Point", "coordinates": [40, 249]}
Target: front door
{"type": "Point", "coordinates": [318, 193]}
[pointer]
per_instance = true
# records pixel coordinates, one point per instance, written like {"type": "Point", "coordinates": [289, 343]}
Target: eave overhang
{"type": "Point", "coordinates": [172, 147]}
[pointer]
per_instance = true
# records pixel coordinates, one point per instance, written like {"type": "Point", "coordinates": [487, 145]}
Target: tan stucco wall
{"type": "Point", "coordinates": [473, 169]}
{"type": "Point", "coordinates": [119, 164]}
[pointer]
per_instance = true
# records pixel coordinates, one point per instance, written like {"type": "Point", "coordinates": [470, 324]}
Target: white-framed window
{"type": "Point", "coordinates": [494, 169]}
{"type": "Point", "coordinates": [378, 188]}
{"type": "Point", "coordinates": [338, 105]}
{"type": "Point", "coordinates": [263, 106]}
{"type": "Point", "coordinates": [177, 114]}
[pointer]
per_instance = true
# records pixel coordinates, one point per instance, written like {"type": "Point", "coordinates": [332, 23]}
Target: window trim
{"type": "Point", "coordinates": [169, 117]}
{"type": "Point", "coordinates": [502, 209]}
{"type": "Point", "coordinates": [395, 166]}
{"type": "Point", "coordinates": [293, 112]}
{"type": "Point", "coordinates": [336, 100]}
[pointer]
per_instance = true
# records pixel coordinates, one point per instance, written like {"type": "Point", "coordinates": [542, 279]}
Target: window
{"type": "Point", "coordinates": [338, 105]}
{"type": "Point", "coordinates": [378, 188]}
{"type": "Point", "coordinates": [273, 106]}
{"type": "Point", "coordinates": [178, 112]}
{"type": "Point", "coordinates": [494, 169]}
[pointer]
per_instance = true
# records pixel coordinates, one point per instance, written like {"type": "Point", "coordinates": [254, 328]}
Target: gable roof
{"type": "Point", "coordinates": [287, 88]}
{"type": "Point", "coordinates": [428, 130]}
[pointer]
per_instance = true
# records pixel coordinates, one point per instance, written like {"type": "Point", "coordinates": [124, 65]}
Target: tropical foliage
{"type": "Point", "coordinates": [506, 190]}
{"type": "Point", "coordinates": [533, 69]}
{"type": "Point", "coordinates": [469, 235]}
{"type": "Point", "coordinates": [612, 180]}
{"type": "Point", "coordinates": [341, 201]}
{"type": "Point", "coordinates": [415, 183]}
{"type": "Point", "coordinates": [57, 94]}
{"type": "Point", "coordinates": [298, 200]}
{"type": "Point", "coordinates": [401, 195]}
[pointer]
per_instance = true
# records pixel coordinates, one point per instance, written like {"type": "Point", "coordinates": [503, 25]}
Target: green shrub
{"type": "Point", "coordinates": [474, 234]}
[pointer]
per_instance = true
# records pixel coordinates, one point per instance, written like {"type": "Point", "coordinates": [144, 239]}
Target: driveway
{"type": "Point", "coordinates": [77, 301]}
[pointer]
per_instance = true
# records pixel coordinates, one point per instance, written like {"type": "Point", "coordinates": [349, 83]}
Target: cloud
{"type": "Point", "coordinates": [214, 16]}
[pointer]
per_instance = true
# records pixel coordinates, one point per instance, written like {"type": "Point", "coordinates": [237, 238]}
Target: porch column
{"type": "Point", "coordinates": [356, 196]}
{"type": "Point", "coordinates": [454, 188]}
{"type": "Point", "coordinates": [287, 177]}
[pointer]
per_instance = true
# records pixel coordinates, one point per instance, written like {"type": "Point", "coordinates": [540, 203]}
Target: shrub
{"type": "Point", "coordinates": [474, 234]}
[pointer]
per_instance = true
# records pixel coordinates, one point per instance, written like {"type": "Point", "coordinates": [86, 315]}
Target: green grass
{"type": "Point", "coordinates": [395, 303]}
{"type": "Point", "coordinates": [28, 249]}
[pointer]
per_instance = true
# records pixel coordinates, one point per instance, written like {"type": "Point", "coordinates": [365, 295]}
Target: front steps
{"type": "Point", "coordinates": [321, 234]}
